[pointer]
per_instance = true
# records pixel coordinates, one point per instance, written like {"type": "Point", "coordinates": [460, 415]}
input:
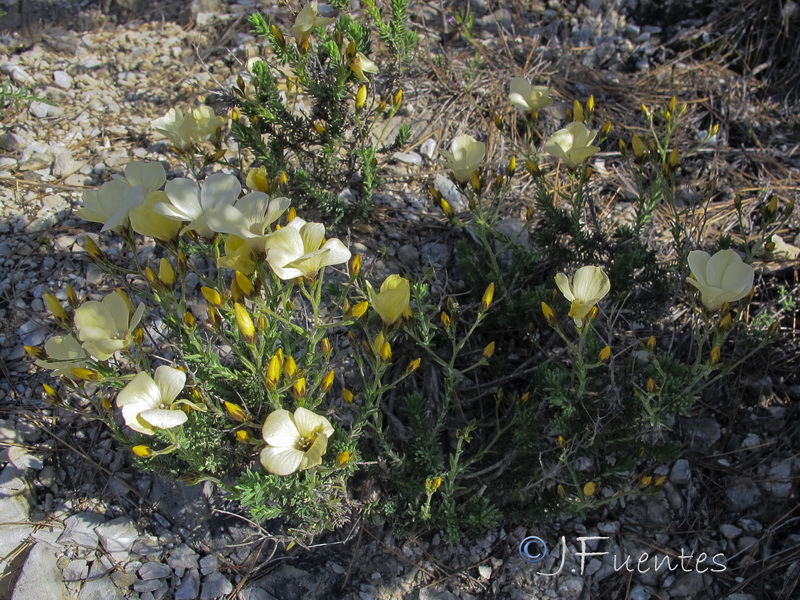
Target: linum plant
{"type": "Point", "coordinates": [610, 396]}
{"type": "Point", "coordinates": [317, 112]}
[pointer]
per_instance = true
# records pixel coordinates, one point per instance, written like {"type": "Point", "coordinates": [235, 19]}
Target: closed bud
{"type": "Point", "coordinates": [188, 319]}
{"type": "Point", "coordinates": [244, 283]}
{"type": "Point", "coordinates": [289, 367]}
{"type": "Point", "coordinates": [211, 295]}
{"type": "Point", "coordinates": [512, 166]}
{"type": "Point", "coordinates": [623, 148]}
{"type": "Point", "coordinates": [72, 297]}
{"type": "Point", "coordinates": [382, 107]}
{"type": "Point", "coordinates": [773, 329]}
{"type": "Point", "coordinates": [446, 209]}
{"type": "Point", "coordinates": [319, 126]}
{"type": "Point", "coordinates": [549, 315]}
{"type": "Point", "coordinates": [386, 352]}
{"type": "Point", "coordinates": [646, 481]}
{"type": "Point", "coordinates": [529, 213]}
{"type": "Point", "coordinates": [498, 121]}
{"type": "Point", "coordinates": [651, 343]}
{"type": "Point", "coordinates": [433, 483]}
{"type": "Point", "coordinates": [261, 323]}
{"type": "Point", "coordinates": [283, 179]}
{"type": "Point", "coordinates": [604, 354]}
{"type": "Point", "coordinates": [714, 358]}
{"type": "Point", "coordinates": [276, 33]}
{"type": "Point", "coordinates": [725, 322]}
{"type": "Point", "coordinates": [92, 249]}
{"type": "Point", "coordinates": [592, 313]}
{"type": "Point", "coordinates": [325, 345]}
{"type": "Point", "coordinates": [646, 111]}
{"type": "Point", "coordinates": [361, 98]}
{"type": "Point", "coordinates": [55, 308]}
{"type": "Point", "coordinates": [590, 105]}
{"type": "Point", "coordinates": [561, 442]}
{"type": "Point", "coordinates": [299, 388]}
{"type": "Point", "coordinates": [213, 316]}
{"type": "Point", "coordinates": [562, 492]}
{"type": "Point", "coordinates": [589, 489]}
{"type": "Point", "coordinates": [166, 274]}
{"type": "Point", "coordinates": [235, 115]}
{"type": "Point", "coordinates": [359, 309]}
{"type": "Point", "coordinates": [52, 394]}
{"type": "Point", "coordinates": [674, 159]}
{"type": "Point", "coordinates": [245, 323]}
{"type": "Point", "coordinates": [650, 386]}
{"type": "Point", "coordinates": [182, 264]}
{"type": "Point", "coordinates": [435, 194]}
{"type": "Point", "coordinates": [240, 83]}
{"type": "Point", "coordinates": [577, 112]}
{"type": "Point", "coordinates": [445, 318]}
{"type": "Point", "coordinates": [638, 146]}
{"type": "Point", "coordinates": [673, 102]}
{"type": "Point", "coordinates": [347, 395]}
{"type": "Point", "coordinates": [414, 365]}
{"type": "Point", "coordinates": [142, 451]}
{"type": "Point", "coordinates": [343, 458]}
{"type": "Point", "coordinates": [533, 168]}
{"type": "Point", "coordinates": [488, 296]}
{"type": "Point", "coordinates": [397, 100]}
{"type": "Point", "coordinates": [327, 381]}
{"type": "Point", "coordinates": [273, 371]}
{"type": "Point", "coordinates": [661, 480]}
{"type": "Point", "coordinates": [236, 412]}
{"type": "Point", "coordinates": [475, 181]}
{"type": "Point", "coordinates": [84, 373]}
{"type": "Point", "coordinates": [242, 435]}
{"type": "Point", "coordinates": [355, 265]}
{"type": "Point", "coordinates": [488, 351]}
{"type": "Point", "coordinates": [605, 130]}
{"type": "Point", "coordinates": [138, 336]}
{"type": "Point", "coordinates": [772, 205]}
{"type": "Point", "coordinates": [150, 275]}
{"type": "Point", "coordinates": [35, 352]}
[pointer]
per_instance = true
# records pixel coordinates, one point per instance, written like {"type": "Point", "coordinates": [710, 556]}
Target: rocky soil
{"type": "Point", "coordinates": [76, 521]}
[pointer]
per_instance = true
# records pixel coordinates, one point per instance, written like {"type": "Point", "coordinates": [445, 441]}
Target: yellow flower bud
{"type": "Point", "coordinates": [299, 388]}
{"type": "Point", "coordinates": [189, 319]}
{"type": "Point", "coordinates": [661, 480]}
{"type": "Point", "coordinates": [488, 296]}
{"type": "Point", "coordinates": [498, 121]}
{"type": "Point", "coordinates": [289, 367]}
{"type": "Point", "coordinates": [577, 111]}
{"type": "Point", "coordinates": [343, 458]}
{"type": "Point", "coordinates": [414, 365]}
{"type": "Point", "coordinates": [283, 179]}
{"type": "Point", "coordinates": [590, 105]}
{"type": "Point", "coordinates": [244, 322]}
{"type": "Point", "coordinates": [361, 98]}
{"type": "Point", "coordinates": [562, 492]}
{"type": "Point", "coordinates": [446, 208]}
{"type": "Point", "coordinates": [589, 489]}
{"type": "Point", "coordinates": [433, 483]}
{"type": "Point", "coordinates": [647, 480]}
{"type": "Point", "coordinates": [166, 273]}
{"type": "Point", "coordinates": [72, 297]}
{"type": "Point", "coordinates": [211, 295]}
{"type": "Point", "coordinates": [213, 316]}
{"type": "Point", "coordinates": [84, 373]}
{"type": "Point", "coordinates": [319, 126]}
{"type": "Point", "coordinates": [592, 313]}
{"type": "Point", "coordinates": [359, 309]}
{"type": "Point", "coordinates": [325, 345]}
{"type": "Point", "coordinates": [35, 352]}
{"type": "Point", "coordinates": [674, 158]}
{"type": "Point", "coordinates": [347, 395]}
{"type": "Point", "coordinates": [242, 435]}
{"type": "Point", "coordinates": [273, 370]}
{"type": "Point", "coordinates": [714, 358]}
{"type": "Point", "coordinates": [355, 266]}
{"type": "Point", "coordinates": [276, 33]}
{"type": "Point", "coordinates": [244, 283]}
{"type": "Point", "coordinates": [475, 182]}
{"type": "Point", "coordinates": [55, 308]}
{"type": "Point", "coordinates": [605, 129]}
{"type": "Point", "coordinates": [386, 352]}
{"type": "Point", "coordinates": [638, 146]}
{"type": "Point", "coordinates": [561, 442]}
{"type": "Point", "coordinates": [236, 412]}
{"type": "Point", "coordinates": [150, 275]}
{"type": "Point", "coordinates": [397, 100]}
{"type": "Point", "coordinates": [725, 322]}
{"type": "Point", "coordinates": [488, 351]}
{"type": "Point", "coordinates": [512, 166]}
{"type": "Point", "coordinates": [327, 381]}
{"type": "Point", "coordinates": [651, 343]}
{"type": "Point", "coordinates": [604, 354]}
{"type": "Point", "coordinates": [142, 451]}
{"type": "Point", "coordinates": [138, 336]}
{"type": "Point", "coordinates": [445, 318]}
{"type": "Point", "coordinates": [650, 385]}
{"type": "Point", "coordinates": [52, 394]}
{"type": "Point", "coordinates": [549, 315]}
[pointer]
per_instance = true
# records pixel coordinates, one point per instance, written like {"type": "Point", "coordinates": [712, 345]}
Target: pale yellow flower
{"type": "Point", "coordinates": [573, 144]}
{"type": "Point", "coordinates": [148, 403]}
{"type": "Point", "coordinates": [248, 218]}
{"type": "Point", "coordinates": [186, 129]}
{"type": "Point", "coordinates": [206, 124]}
{"type": "Point", "coordinates": [238, 256]}
{"type": "Point", "coordinates": [527, 97]}
{"type": "Point", "coordinates": [588, 287]}
{"type": "Point", "coordinates": [720, 278]}
{"type": "Point", "coordinates": [106, 327]}
{"type": "Point", "coordinates": [297, 250]}
{"type": "Point", "coordinates": [112, 203]}
{"type": "Point", "coordinates": [465, 156]}
{"type": "Point", "coordinates": [393, 301]}
{"type": "Point", "coordinates": [188, 201]}
{"type": "Point", "coordinates": [307, 20]}
{"type": "Point", "coordinates": [64, 352]}
{"type": "Point", "coordinates": [295, 441]}
{"type": "Point", "coordinates": [360, 64]}
{"type": "Point", "coordinates": [146, 221]}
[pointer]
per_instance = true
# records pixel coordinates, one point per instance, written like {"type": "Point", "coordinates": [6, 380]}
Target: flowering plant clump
{"type": "Point", "coordinates": [240, 343]}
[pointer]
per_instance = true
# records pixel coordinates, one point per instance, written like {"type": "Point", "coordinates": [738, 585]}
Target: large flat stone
{"type": "Point", "coordinates": [100, 589]}
{"type": "Point", "coordinates": [79, 529]}
{"type": "Point", "coordinates": [40, 577]}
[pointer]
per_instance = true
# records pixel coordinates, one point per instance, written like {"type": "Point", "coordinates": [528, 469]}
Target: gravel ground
{"type": "Point", "coordinates": [76, 521]}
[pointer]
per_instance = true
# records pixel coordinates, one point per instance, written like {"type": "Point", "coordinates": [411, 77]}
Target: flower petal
{"type": "Point", "coordinates": [170, 382]}
{"type": "Point", "coordinates": [718, 264]}
{"type": "Point", "coordinates": [163, 419]}
{"type": "Point", "coordinates": [563, 284]}
{"type": "Point", "coordinates": [219, 188]}
{"type": "Point", "coordinates": [281, 461]}
{"type": "Point", "coordinates": [698, 261]}
{"type": "Point", "coordinates": [141, 390]}
{"type": "Point", "coordinates": [280, 430]}
{"type": "Point", "coordinates": [308, 422]}
{"type": "Point", "coordinates": [150, 175]}
{"type": "Point", "coordinates": [313, 456]}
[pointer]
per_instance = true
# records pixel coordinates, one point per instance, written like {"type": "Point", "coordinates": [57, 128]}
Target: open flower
{"type": "Point", "coordinates": [64, 353]}
{"type": "Point", "coordinates": [185, 129]}
{"type": "Point", "coordinates": [588, 287]}
{"type": "Point", "coordinates": [360, 65]}
{"type": "Point", "coordinates": [249, 218]}
{"type": "Point", "coordinates": [187, 201]}
{"type": "Point", "coordinates": [146, 221]}
{"type": "Point", "coordinates": [572, 144]}
{"type": "Point", "coordinates": [527, 97]}
{"type": "Point", "coordinates": [393, 301]}
{"type": "Point", "coordinates": [465, 156]}
{"type": "Point", "coordinates": [148, 403]}
{"type": "Point", "coordinates": [297, 250]}
{"type": "Point", "coordinates": [114, 200]}
{"type": "Point", "coordinates": [720, 278]}
{"type": "Point", "coordinates": [296, 441]}
{"type": "Point", "coordinates": [237, 256]}
{"type": "Point", "coordinates": [307, 20]}
{"type": "Point", "coordinates": [106, 327]}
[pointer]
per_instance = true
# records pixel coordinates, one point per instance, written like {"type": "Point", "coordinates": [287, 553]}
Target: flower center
{"type": "Point", "coordinates": [306, 442]}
